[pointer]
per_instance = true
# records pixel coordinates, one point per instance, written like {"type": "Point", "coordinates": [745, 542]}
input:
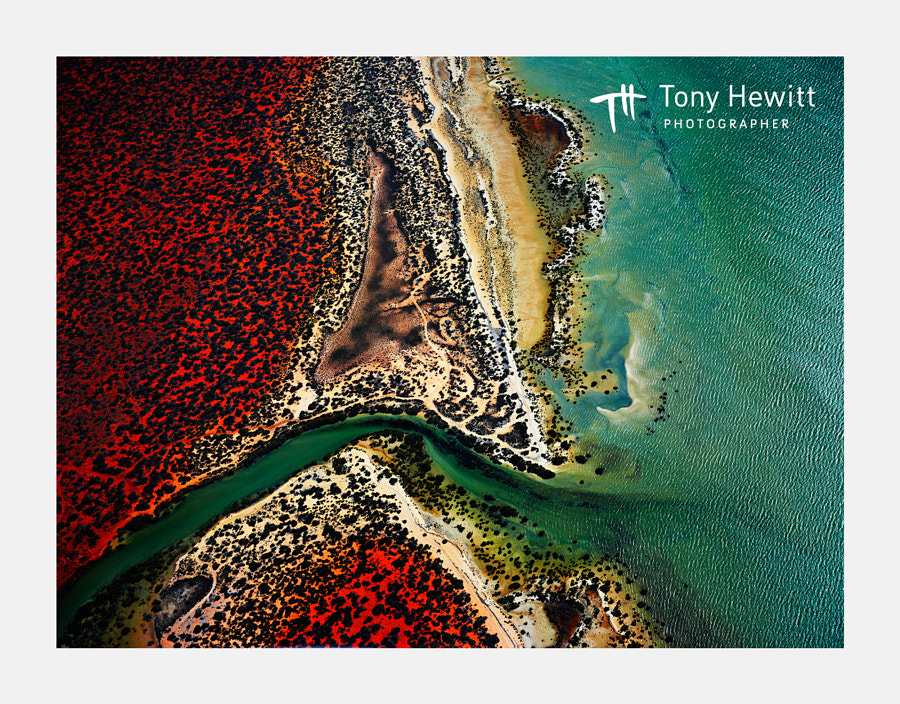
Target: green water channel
{"type": "Point", "coordinates": [599, 521]}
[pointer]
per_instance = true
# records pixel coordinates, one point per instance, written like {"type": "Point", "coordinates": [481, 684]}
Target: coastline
{"type": "Point", "coordinates": [495, 280]}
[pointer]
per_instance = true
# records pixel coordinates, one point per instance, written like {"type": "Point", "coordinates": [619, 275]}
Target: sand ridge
{"type": "Point", "coordinates": [499, 220]}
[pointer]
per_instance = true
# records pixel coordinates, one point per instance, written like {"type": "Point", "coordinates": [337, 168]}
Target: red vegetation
{"type": "Point", "coordinates": [188, 249]}
{"type": "Point", "coordinates": [386, 594]}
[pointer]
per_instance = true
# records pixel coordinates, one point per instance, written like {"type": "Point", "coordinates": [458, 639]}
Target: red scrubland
{"type": "Point", "coordinates": [387, 594]}
{"type": "Point", "coordinates": [188, 250]}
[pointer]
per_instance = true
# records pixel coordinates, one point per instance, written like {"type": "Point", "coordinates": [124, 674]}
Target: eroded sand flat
{"type": "Point", "coordinates": [382, 317]}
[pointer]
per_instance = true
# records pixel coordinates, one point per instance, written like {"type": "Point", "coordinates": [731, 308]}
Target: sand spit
{"type": "Point", "coordinates": [433, 318]}
{"type": "Point", "coordinates": [456, 363]}
{"type": "Point", "coordinates": [566, 210]}
{"type": "Point", "coordinates": [556, 594]}
{"type": "Point", "coordinates": [498, 221]}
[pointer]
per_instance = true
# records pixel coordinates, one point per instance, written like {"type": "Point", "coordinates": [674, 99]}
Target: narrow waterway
{"type": "Point", "coordinates": [598, 521]}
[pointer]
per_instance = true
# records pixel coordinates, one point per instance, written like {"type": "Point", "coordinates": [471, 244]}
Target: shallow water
{"type": "Point", "coordinates": [725, 249]}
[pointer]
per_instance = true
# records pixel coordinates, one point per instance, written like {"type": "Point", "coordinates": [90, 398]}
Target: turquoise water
{"type": "Point", "coordinates": [723, 253]}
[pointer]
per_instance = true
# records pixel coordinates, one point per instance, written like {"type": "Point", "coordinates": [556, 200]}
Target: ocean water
{"type": "Point", "coordinates": [723, 257]}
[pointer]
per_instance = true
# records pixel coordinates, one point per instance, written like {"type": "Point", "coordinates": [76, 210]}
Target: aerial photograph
{"type": "Point", "coordinates": [449, 352]}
